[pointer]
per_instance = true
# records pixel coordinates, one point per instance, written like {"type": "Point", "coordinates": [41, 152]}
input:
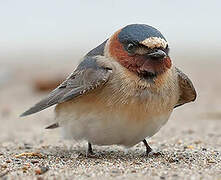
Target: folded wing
{"type": "Point", "coordinates": [88, 76]}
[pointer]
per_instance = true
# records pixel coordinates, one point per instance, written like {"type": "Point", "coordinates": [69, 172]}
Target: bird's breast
{"type": "Point", "coordinates": [107, 121]}
{"type": "Point", "coordinates": [124, 111]}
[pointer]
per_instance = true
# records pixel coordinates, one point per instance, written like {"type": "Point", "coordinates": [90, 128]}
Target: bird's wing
{"type": "Point", "coordinates": [88, 76]}
{"type": "Point", "coordinates": [187, 90]}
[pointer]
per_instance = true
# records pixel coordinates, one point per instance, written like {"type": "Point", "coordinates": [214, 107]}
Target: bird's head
{"type": "Point", "coordinates": [141, 49]}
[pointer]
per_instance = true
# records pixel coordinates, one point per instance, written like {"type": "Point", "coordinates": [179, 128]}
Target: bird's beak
{"type": "Point", "coordinates": [157, 54]}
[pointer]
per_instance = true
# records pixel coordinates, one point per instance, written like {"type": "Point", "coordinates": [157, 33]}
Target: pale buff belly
{"type": "Point", "coordinates": [124, 112]}
{"type": "Point", "coordinates": [127, 125]}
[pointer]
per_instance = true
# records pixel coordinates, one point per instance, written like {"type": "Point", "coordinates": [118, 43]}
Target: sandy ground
{"type": "Point", "coordinates": [189, 144]}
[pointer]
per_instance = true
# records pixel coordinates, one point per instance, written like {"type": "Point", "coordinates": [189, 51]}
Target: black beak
{"type": "Point", "coordinates": [158, 54]}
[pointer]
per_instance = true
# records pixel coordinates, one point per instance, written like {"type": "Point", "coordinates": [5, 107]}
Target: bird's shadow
{"type": "Point", "coordinates": [135, 155]}
{"type": "Point", "coordinates": [122, 155]}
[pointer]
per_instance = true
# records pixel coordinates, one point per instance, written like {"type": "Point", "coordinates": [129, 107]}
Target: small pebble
{"type": "Point", "coordinates": [173, 160]}
{"type": "Point", "coordinates": [8, 161]}
{"type": "Point", "coordinates": [188, 147]}
{"type": "Point", "coordinates": [41, 170]}
{"type": "Point", "coordinates": [211, 161]}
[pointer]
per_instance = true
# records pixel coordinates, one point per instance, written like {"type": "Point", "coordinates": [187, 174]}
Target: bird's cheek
{"type": "Point", "coordinates": [147, 67]}
{"type": "Point", "coordinates": [139, 61]}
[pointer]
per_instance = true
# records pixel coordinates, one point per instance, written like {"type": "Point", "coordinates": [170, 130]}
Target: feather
{"type": "Point", "coordinates": [187, 90]}
{"type": "Point", "coordinates": [87, 77]}
{"type": "Point", "coordinates": [53, 126]}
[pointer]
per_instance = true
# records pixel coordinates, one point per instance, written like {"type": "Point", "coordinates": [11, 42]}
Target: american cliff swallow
{"type": "Point", "coordinates": [122, 92]}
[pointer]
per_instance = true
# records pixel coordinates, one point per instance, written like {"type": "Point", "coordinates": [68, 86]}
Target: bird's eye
{"type": "Point", "coordinates": [131, 48]}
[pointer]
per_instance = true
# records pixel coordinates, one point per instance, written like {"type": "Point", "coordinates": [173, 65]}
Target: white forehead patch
{"type": "Point", "coordinates": [154, 42]}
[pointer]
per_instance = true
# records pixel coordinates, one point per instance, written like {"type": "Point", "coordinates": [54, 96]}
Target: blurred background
{"type": "Point", "coordinates": [35, 31]}
{"type": "Point", "coordinates": [42, 41]}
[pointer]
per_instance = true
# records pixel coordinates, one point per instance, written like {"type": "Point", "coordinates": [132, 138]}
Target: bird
{"type": "Point", "coordinates": [122, 92]}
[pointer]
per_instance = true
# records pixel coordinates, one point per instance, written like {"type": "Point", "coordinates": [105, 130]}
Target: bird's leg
{"type": "Point", "coordinates": [89, 150]}
{"type": "Point", "coordinates": [148, 148]}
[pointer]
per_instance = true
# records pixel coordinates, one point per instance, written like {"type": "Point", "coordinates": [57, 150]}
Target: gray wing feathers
{"type": "Point", "coordinates": [52, 126]}
{"type": "Point", "coordinates": [187, 90]}
{"type": "Point", "coordinates": [88, 76]}
{"type": "Point", "coordinates": [45, 103]}
{"type": "Point", "coordinates": [88, 80]}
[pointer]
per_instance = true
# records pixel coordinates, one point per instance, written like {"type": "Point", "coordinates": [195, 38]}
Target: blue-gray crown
{"type": "Point", "coordinates": [138, 32]}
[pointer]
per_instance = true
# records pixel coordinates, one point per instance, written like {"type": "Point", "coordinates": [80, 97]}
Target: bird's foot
{"type": "Point", "coordinates": [150, 152]}
{"type": "Point", "coordinates": [154, 153]}
{"type": "Point", "coordinates": [148, 148]}
{"type": "Point", "coordinates": [90, 153]}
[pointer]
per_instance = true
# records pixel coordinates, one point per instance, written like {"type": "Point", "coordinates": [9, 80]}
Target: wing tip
{"type": "Point", "coordinates": [36, 108]}
{"type": "Point", "coordinates": [26, 113]}
{"type": "Point", "coordinates": [32, 110]}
